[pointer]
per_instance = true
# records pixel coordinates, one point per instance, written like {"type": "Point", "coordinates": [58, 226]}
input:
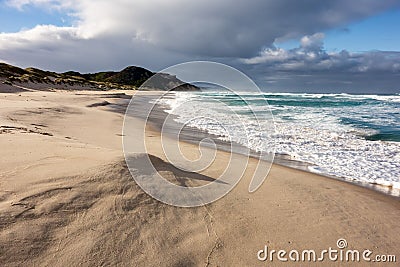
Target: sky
{"type": "Point", "coordinates": [283, 45]}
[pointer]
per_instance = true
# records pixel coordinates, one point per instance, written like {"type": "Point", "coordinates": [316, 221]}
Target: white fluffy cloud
{"type": "Point", "coordinates": [310, 68]}
{"type": "Point", "coordinates": [311, 56]}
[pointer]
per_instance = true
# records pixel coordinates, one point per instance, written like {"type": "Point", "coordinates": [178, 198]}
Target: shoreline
{"type": "Point", "coordinates": [68, 198]}
{"type": "Point", "coordinates": [195, 135]}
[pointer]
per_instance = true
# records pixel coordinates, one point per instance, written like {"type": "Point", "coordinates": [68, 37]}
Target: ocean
{"type": "Point", "coordinates": [350, 137]}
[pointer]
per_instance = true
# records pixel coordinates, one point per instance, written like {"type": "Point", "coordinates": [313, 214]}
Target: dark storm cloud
{"type": "Point", "coordinates": [155, 34]}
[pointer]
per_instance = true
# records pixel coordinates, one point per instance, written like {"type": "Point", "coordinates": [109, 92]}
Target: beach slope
{"type": "Point", "coordinates": [67, 198]}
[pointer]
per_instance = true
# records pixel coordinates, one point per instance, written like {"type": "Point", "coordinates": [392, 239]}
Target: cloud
{"type": "Point", "coordinates": [311, 57]}
{"type": "Point", "coordinates": [310, 67]}
{"type": "Point", "coordinates": [64, 48]}
{"type": "Point", "coordinates": [313, 42]}
{"type": "Point", "coordinates": [155, 34]}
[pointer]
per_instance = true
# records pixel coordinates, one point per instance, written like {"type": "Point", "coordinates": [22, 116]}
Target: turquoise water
{"type": "Point", "coordinates": [378, 114]}
{"type": "Point", "coordinates": [355, 137]}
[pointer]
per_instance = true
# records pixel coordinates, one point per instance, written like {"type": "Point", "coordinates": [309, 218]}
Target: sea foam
{"type": "Point", "coordinates": [327, 131]}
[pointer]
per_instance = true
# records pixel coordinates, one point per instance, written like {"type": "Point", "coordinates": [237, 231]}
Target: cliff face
{"type": "Point", "coordinates": [129, 78]}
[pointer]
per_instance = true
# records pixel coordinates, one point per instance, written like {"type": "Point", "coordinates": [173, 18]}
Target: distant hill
{"type": "Point", "coordinates": [131, 77]}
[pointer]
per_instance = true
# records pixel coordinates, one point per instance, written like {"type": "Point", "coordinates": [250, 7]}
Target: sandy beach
{"type": "Point", "coordinates": [67, 198]}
